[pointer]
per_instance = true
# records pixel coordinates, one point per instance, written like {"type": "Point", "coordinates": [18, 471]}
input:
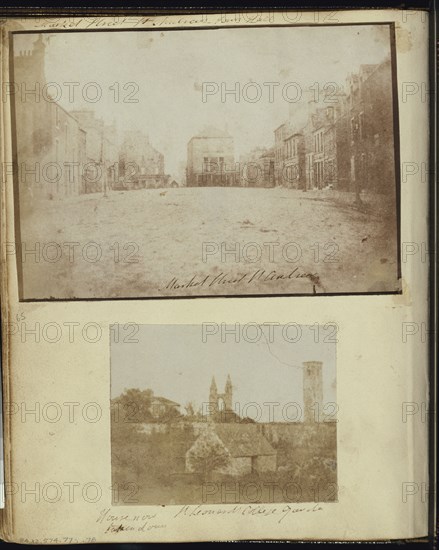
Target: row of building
{"type": "Point", "coordinates": [345, 141]}
{"type": "Point", "coordinates": [63, 153]}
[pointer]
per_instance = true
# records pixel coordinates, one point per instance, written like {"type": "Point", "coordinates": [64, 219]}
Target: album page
{"type": "Point", "coordinates": [215, 276]}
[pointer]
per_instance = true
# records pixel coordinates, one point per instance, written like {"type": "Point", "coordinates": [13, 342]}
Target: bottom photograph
{"type": "Point", "coordinates": [223, 414]}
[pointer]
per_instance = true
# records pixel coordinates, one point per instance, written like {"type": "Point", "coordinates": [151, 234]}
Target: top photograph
{"type": "Point", "coordinates": [196, 162]}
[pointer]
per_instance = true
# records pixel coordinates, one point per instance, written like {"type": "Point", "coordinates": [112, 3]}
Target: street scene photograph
{"type": "Point", "coordinates": [205, 428]}
{"type": "Point", "coordinates": [235, 161]}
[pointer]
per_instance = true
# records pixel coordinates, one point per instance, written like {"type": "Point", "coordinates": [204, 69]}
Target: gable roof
{"type": "Point", "coordinates": [164, 401]}
{"type": "Point", "coordinates": [244, 440]}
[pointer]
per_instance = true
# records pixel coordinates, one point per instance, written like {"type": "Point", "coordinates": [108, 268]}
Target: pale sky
{"type": "Point", "coordinates": [170, 67]}
{"type": "Point", "coordinates": [175, 363]}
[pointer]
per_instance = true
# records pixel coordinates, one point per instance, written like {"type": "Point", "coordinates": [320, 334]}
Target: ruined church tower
{"type": "Point", "coordinates": [213, 394]}
{"type": "Point", "coordinates": [220, 401]}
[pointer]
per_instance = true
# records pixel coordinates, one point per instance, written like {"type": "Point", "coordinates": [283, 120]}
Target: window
{"type": "Point", "coordinates": [354, 128]}
{"type": "Point", "coordinates": [318, 141]}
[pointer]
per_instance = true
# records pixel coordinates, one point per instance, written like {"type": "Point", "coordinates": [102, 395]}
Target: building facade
{"type": "Point", "coordinates": [50, 141]}
{"type": "Point", "coordinates": [347, 140]}
{"type": "Point", "coordinates": [141, 165]}
{"type": "Point", "coordinates": [279, 151]}
{"type": "Point", "coordinates": [370, 108]}
{"type": "Point", "coordinates": [100, 172]}
{"type": "Point", "coordinates": [257, 168]}
{"type": "Point", "coordinates": [211, 160]}
{"type": "Point", "coordinates": [293, 172]}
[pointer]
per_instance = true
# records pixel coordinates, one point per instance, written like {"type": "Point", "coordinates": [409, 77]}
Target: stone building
{"type": "Point", "coordinates": [141, 165]}
{"type": "Point", "coordinates": [279, 151]}
{"type": "Point", "coordinates": [257, 168]}
{"type": "Point", "coordinates": [370, 111]}
{"type": "Point", "coordinates": [244, 447]}
{"type": "Point", "coordinates": [320, 144]}
{"type": "Point", "coordinates": [211, 159]}
{"type": "Point", "coordinates": [50, 141]}
{"type": "Point", "coordinates": [102, 152]}
{"type": "Point", "coordinates": [326, 148]}
{"type": "Point", "coordinates": [347, 142]}
{"type": "Point", "coordinates": [162, 407]}
{"type": "Point", "coordinates": [290, 155]}
{"type": "Point", "coordinates": [294, 161]}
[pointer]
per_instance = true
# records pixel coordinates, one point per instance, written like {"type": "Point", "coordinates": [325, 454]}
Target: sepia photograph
{"type": "Point", "coordinates": [228, 161]}
{"type": "Point", "coordinates": [193, 420]}
{"type": "Point", "coordinates": [215, 279]}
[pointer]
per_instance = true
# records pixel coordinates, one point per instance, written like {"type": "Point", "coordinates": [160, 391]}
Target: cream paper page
{"type": "Point", "coordinates": [59, 486]}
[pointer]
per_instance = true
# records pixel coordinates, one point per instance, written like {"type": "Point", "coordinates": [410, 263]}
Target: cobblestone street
{"type": "Point", "coordinates": [207, 241]}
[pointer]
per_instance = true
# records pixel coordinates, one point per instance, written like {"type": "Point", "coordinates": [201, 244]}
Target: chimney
{"type": "Point", "coordinates": [312, 391]}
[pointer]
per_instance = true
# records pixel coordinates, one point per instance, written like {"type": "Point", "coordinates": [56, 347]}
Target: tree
{"type": "Point", "coordinates": [168, 415]}
{"type": "Point", "coordinates": [207, 454]}
{"type": "Point", "coordinates": [133, 405]}
{"type": "Point", "coordinates": [189, 408]}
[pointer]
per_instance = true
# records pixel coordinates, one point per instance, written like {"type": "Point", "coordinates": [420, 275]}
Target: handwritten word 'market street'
{"type": "Point", "coordinates": [260, 275]}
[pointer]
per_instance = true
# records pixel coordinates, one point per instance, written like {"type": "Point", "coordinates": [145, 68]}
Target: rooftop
{"type": "Point", "coordinates": [212, 132]}
{"type": "Point", "coordinates": [244, 440]}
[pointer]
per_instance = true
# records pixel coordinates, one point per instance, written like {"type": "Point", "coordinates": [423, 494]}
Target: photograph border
{"type": "Point", "coordinates": [397, 162]}
{"type": "Point", "coordinates": [199, 324]}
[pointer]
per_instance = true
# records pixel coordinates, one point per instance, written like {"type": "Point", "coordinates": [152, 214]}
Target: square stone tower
{"type": "Point", "coordinates": [312, 391]}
